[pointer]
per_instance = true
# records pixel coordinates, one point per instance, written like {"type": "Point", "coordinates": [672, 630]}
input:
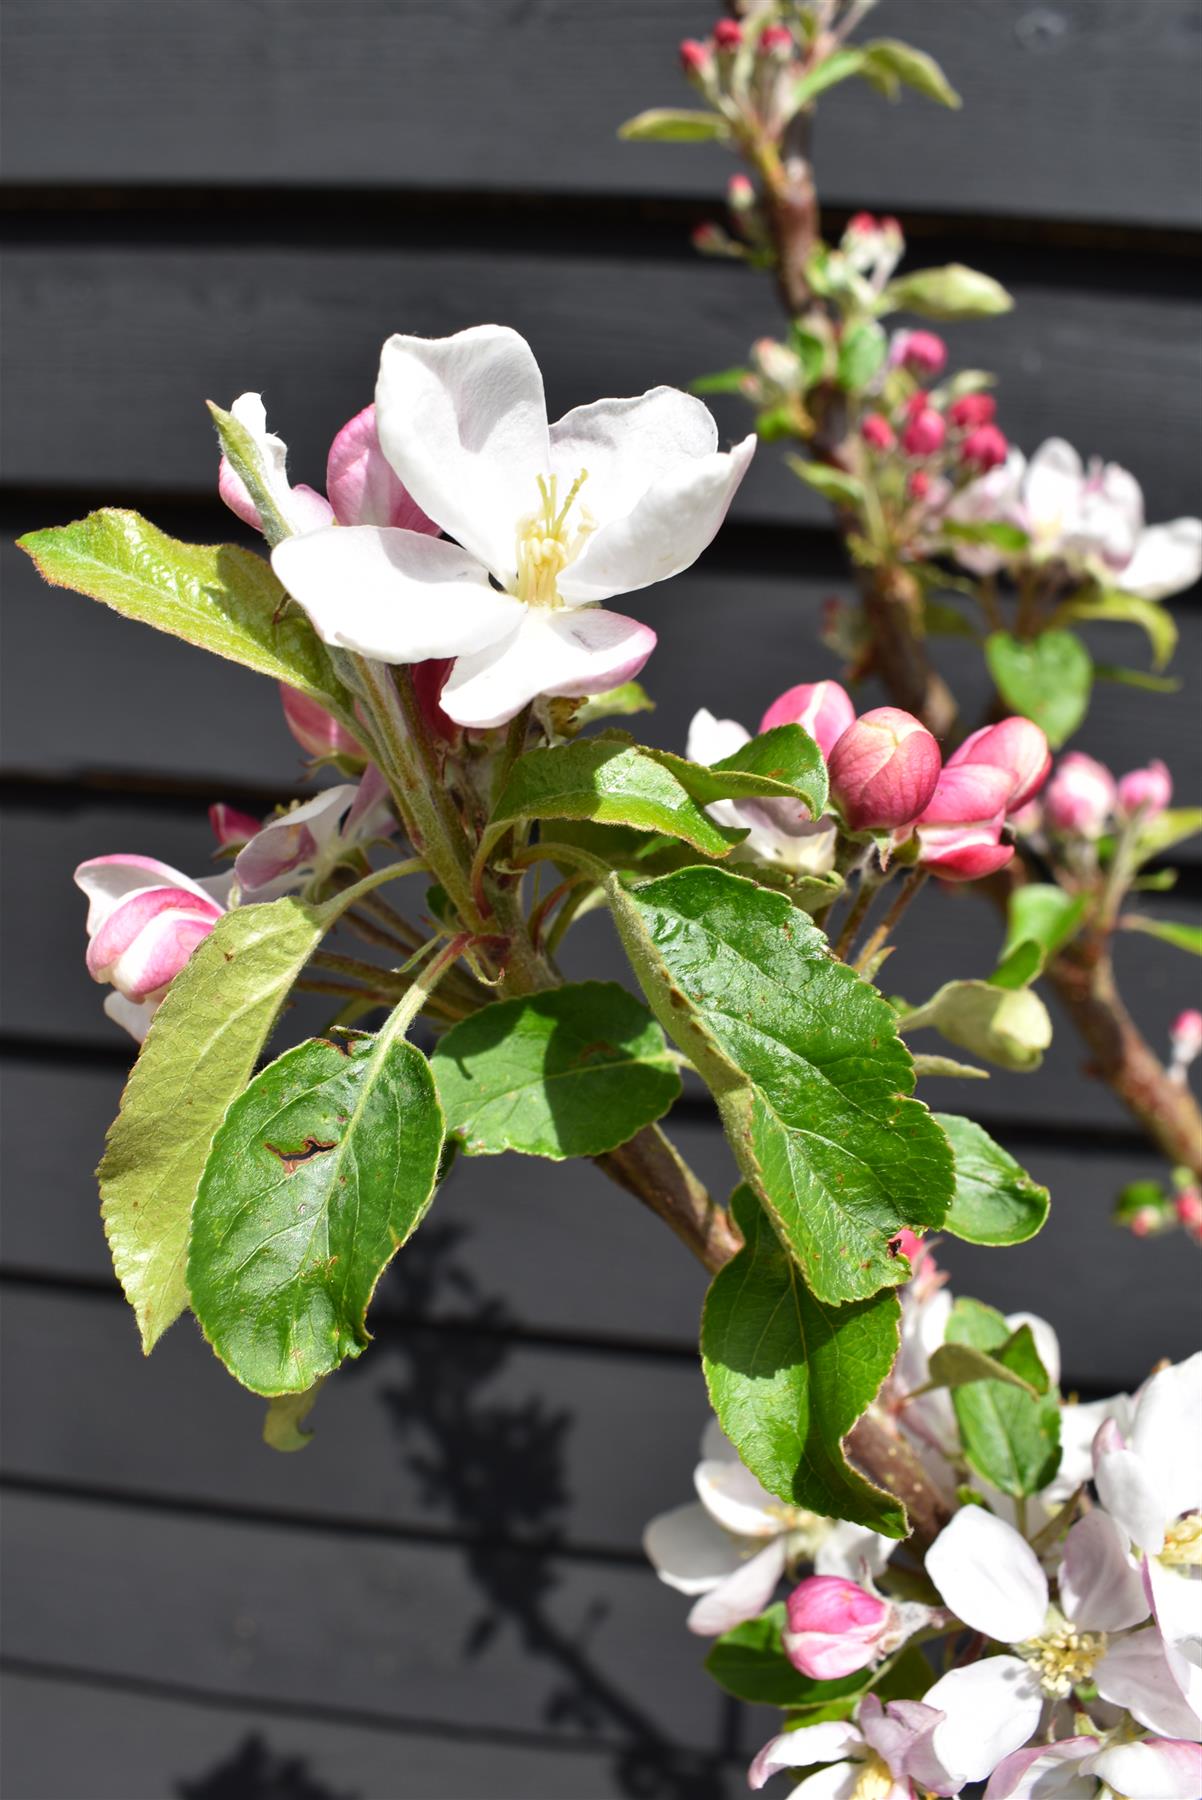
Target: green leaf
{"type": "Point", "coordinates": [1048, 678]}
{"type": "Point", "coordinates": [837, 67]}
{"type": "Point", "coordinates": [835, 485]}
{"type": "Point", "coordinates": [750, 1663]}
{"type": "Point", "coordinates": [948, 1068]}
{"type": "Point", "coordinates": [673, 125]}
{"type": "Point", "coordinates": [1009, 1027]}
{"type": "Point", "coordinates": [1010, 1439]}
{"type": "Point", "coordinates": [613, 782]}
{"type": "Point", "coordinates": [805, 1063]}
{"type": "Point", "coordinates": [1137, 678]}
{"type": "Point", "coordinates": [996, 1201]}
{"type": "Point", "coordinates": [1042, 913]}
{"type": "Point", "coordinates": [616, 703]}
{"type": "Point", "coordinates": [959, 1365]}
{"type": "Point", "coordinates": [320, 1172]}
{"type": "Point", "coordinates": [284, 1422]}
{"type": "Point", "coordinates": [782, 764]}
{"type": "Point", "coordinates": [1158, 625]}
{"type": "Point", "coordinates": [1010, 539]}
{"type": "Point", "coordinates": [861, 353]}
{"type": "Point", "coordinates": [1021, 967]}
{"type": "Point", "coordinates": [789, 1376]}
{"type": "Point", "coordinates": [245, 459]}
{"type": "Point", "coordinates": [901, 63]}
{"type": "Point", "coordinates": [575, 1071]}
{"type": "Point", "coordinates": [203, 1044]}
{"type": "Point", "coordinates": [814, 342]}
{"type": "Point", "coordinates": [1169, 931]}
{"type": "Point", "coordinates": [951, 292]}
{"type": "Point", "coordinates": [218, 597]}
{"type": "Point", "coordinates": [722, 381]}
{"type": "Point", "coordinates": [1174, 826]}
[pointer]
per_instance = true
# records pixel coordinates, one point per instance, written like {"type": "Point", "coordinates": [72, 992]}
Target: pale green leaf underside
{"type": "Point", "coordinates": [1007, 1026]}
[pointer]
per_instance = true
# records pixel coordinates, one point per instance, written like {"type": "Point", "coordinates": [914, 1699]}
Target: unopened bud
{"type": "Point", "coordinates": [963, 852]}
{"type": "Point", "coordinates": [776, 40]}
{"type": "Point", "coordinates": [1146, 1222]}
{"type": "Point", "coordinates": [862, 224]}
{"type": "Point", "coordinates": [884, 770]}
{"type": "Point", "coordinates": [983, 449]}
{"type": "Point", "coordinates": [316, 730]}
{"type": "Point", "coordinates": [1081, 796]}
{"type": "Point", "coordinates": [695, 59]}
{"type": "Point", "coordinates": [919, 485]}
{"type": "Point", "coordinates": [740, 194]}
{"type": "Point", "coordinates": [728, 34]}
{"type": "Point", "coordinates": [835, 1627]}
{"type": "Point", "coordinates": [924, 433]}
{"type": "Point", "coordinates": [922, 352]}
{"type": "Point", "coordinates": [1188, 1207]}
{"type": "Point", "coordinates": [877, 432]}
{"type": "Point", "coordinates": [230, 827]}
{"type": "Point", "coordinates": [1147, 791]}
{"type": "Point", "coordinates": [822, 708]}
{"type": "Point", "coordinates": [711, 240]}
{"type": "Point", "coordinates": [777, 365]}
{"type": "Point", "coordinates": [1185, 1043]}
{"type": "Point", "coordinates": [971, 410]}
{"type": "Point", "coordinates": [1017, 746]}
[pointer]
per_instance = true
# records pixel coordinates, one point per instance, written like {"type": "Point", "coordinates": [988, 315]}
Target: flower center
{"type": "Point", "coordinates": [1183, 1542]}
{"type": "Point", "coordinates": [875, 1781]}
{"type": "Point", "coordinates": [1064, 1657]}
{"type": "Point", "coordinates": [806, 1531]}
{"type": "Point", "coordinates": [547, 542]}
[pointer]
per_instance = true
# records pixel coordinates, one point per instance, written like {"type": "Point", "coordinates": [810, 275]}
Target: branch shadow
{"type": "Point", "coordinates": [253, 1771]}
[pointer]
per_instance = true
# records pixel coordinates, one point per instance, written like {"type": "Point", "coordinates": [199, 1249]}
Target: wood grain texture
{"type": "Point", "coordinates": [112, 347]}
{"type": "Point", "coordinates": [499, 94]}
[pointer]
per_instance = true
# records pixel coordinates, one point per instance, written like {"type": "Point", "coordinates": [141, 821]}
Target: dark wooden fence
{"type": "Point", "coordinates": [445, 1597]}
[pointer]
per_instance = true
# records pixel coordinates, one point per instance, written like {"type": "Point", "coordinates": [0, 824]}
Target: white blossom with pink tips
{"type": "Point", "coordinates": [548, 521]}
{"type": "Point", "coordinates": [891, 1752]}
{"type": "Point", "coordinates": [144, 921]}
{"type": "Point", "coordinates": [1072, 1768]}
{"type": "Point", "coordinates": [298, 850]}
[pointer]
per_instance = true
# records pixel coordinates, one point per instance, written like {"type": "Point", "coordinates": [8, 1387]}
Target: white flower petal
{"type": "Point", "coordinates": [840, 1781]}
{"type": "Point", "coordinates": [689, 1551]}
{"type": "Point", "coordinates": [1167, 1434]}
{"type": "Point", "coordinates": [627, 445]}
{"type": "Point", "coordinates": [827, 1742]}
{"type": "Point", "coordinates": [107, 879]}
{"type": "Point", "coordinates": [132, 1016]}
{"type": "Point", "coordinates": [1129, 1495]}
{"type": "Point", "coordinates": [1167, 560]}
{"type": "Point", "coordinates": [549, 653]}
{"type": "Point", "coordinates": [849, 1550]}
{"type": "Point", "coordinates": [732, 1495]}
{"type": "Point", "coordinates": [396, 595]}
{"type": "Point", "coordinates": [1079, 1423]}
{"type": "Point", "coordinates": [1047, 1344]}
{"type": "Point", "coordinates": [1100, 1587]}
{"type": "Point", "coordinates": [463, 421]}
{"type": "Point", "coordinates": [1135, 1673]}
{"type": "Point", "coordinates": [664, 533]}
{"type": "Point", "coordinates": [990, 1710]}
{"type": "Point", "coordinates": [1052, 490]}
{"type": "Point", "coordinates": [1162, 1769]}
{"type": "Point", "coordinates": [989, 1576]}
{"type": "Point", "coordinates": [743, 1595]}
{"type": "Point", "coordinates": [1177, 1603]}
{"type": "Point", "coordinates": [1045, 1772]}
{"type": "Point", "coordinates": [711, 739]}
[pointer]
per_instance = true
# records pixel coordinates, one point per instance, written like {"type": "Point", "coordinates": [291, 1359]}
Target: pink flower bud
{"type": "Point", "coordinates": [429, 679]}
{"type": "Point", "coordinates": [231, 826]}
{"type": "Point", "coordinates": [963, 852]}
{"type": "Point", "coordinates": [924, 434]}
{"type": "Point", "coordinates": [919, 484]}
{"type": "Point", "coordinates": [740, 194]}
{"type": "Point", "coordinates": [1081, 796]}
{"type": "Point", "coordinates": [1187, 1035]}
{"type": "Point", "coordinates": [710, 239]}
{"type": "Point", "coordinates": [972, 793]}
{"type": "Point", "coordinates": [315, 730]}
{"type": "Point", "coordinates": [884, 769]}
{"type": "Point", "coordinates": [922, 352]}
{"type": "Point", "coordinates": [984, 449]}
{"type": "Point", "coordinates": [1145, 790]}
{"type": "Point", "coordinates": [362, 488]}
{"type": "Point", "coordinates": [862, 224]}
{"type": "Point", "coordinates": [776, 38]}
{"type": "Point", "coordinates": [1145, 1222]}
{"type": "Point", "coordinates": [907, 1243]}
{"type": "Point", "coordinates": [822, 708]}
{"type": "Point", "coordinates": [144, 921]}
{"type": "Point", "coordinates": [1188, 1207]}
{"type": "Point", "coordinates": [877, 432]}
{"type": "Point", "coordinates": [835, 1627]}
{"type": "Point", "coordinates": [694, 58]}
{"type": "Point", "coordinates": [971, 410]}
{"type": "Point", "coordinates": [1016, 745]}
{"type": "Point", "coordinates": [728, 34]}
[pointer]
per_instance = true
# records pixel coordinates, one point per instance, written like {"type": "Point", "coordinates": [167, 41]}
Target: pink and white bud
{"type": "Point", "coordinates": [1028, 820]}
{"type": "Point", "coordinates": [1188, 1207]}
{"type": "Point", "coordinates": [316, 730]}
{"type": "Point", "coordinates": [231, 828]}
{"type": "Point", "coordinates": [695, 59]}
{"type": "Point", "coordinates": [301, 508]}
{"type": "Point", "coordinates": [835, 1627]}
{"type": "Point", "coordinates": [1146, 1222]}
{"type": "Point", "coordinates": [922, 352]}
{"type": "Point", "coordinates": [1017, 746]}
{"type": "Point", "coordinates": [963, 852]}
{"type": "Point", "coordinates": [1147, 791]}
{"type": "Point", "coordinates": [740, 195]}
{"type": "Point", "coordinates": [728, 34]}
{"type": "Point", "coordinates": [777, 365]}
{"type": "Point", "coordinates": [918, 486]}
{"type": "Point", "coordinates": [776, 40]}
{"type": "Point", "coordinates": [1081, 796]}
{"type": "Point", "coordinates": [924, 433]}
{"type": "Point", "coordinates": [971, 410]}
{"type": "Point", "coordinates": [877, 432]}
{"type": "Point", "coordinates": [1185, 1044]}
{"type": "Point", "coordinates": [361, 484]}
{"type": "Point", "coordinates": [822, 708]}
{"type": "Point", "coordinates": [710, 240]}
{"type": "Point", "coordinates": [970, 793]}
{"type": "Point", "coordinates": [983, 449]}
{"type": "Point", "coordinates": [144, 921]}
{"type": "Point", "coordinates": [884, 770]}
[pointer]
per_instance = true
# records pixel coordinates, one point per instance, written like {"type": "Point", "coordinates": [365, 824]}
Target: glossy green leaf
{"type": "Point", "coordinates": [788, 1376]}
{"type": "Point", "coordinates": [319, 1173]}
{"type": "Point", "coordinates": [996, 1201]}
{"type": "Point", "coordinates": [750, 1663]}
{"type": "Point", "coordinates": [899, 63]}
{"type": "Point", "coordinates": [804, 1060]}
{"type": "Point", "coordinates": [1169, 931]}
{"type": "Point", "coordinates": [782, 764]}
{"type": "Point", "coordinates": [218, 597]}
{"type": "Point", "coordinates": [284, 1425]}
{"type": "Point", "coordinates": [1009, 1438]}
{"type": "Point", "coordinates": [827, 74]}
{"type": "Point", "coordinates": [835, 485]}
{"type": "Point", "coordinates": [1155, 621]}
{"type": "Point", "coordinates": [575, 1071]}
{"type": "Point", "coordinates": [1048, 678]}
{"type": "Point", "coordinates": [673, 125]}
{"type": "Point", "coordinates": [959, 1365]}
{"type": "Point", "coordinates": [1009, 1027]}
{"type": "Point", "coordinates": [613, 782]}
{"type": "Point", "coordinates": [861, 353]}
{"type": "Point", "coordinates": [951, 292]}
{"type": "Point", "coordinates": [1042, 913]}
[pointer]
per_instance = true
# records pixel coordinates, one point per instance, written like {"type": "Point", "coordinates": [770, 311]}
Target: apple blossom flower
{"type": "Point", "coordinates": [995, 771]}
{"type": "Point", "coordinates": [297, 850]}
{"type": "Point", "coordinates": [1071, 1768]}
{"type": "Point", "coordinates": [732, 1545]}
{"type": "Point", "coordinates": [877, 432]}
{"type": "Point", "coordinates": [834, 1626]}
{"type": "Point", "coordinates": [778, 831]}
{"type": "Point", "coordinates": [316, 730]}
{"type": "Point", "coordinates": [1147, 791]}
{"type": "Point", "coordinates": [971, 410]}
{"type": "Point", "coordinates": [1080, 797]}
{"type": "Point", "coordinates": [550, 521]}
{"type": "Point", "coordinates": [924, 433]}
{"type": "Point", "coordinates": [884, 769]}
{"type": "Point", "coordinates": [230, 827]}
{"type": "Point", "coordinates": [144, 921]}
{"type": "Point", "coordinates": [890, 1753]}
{"type": "Point", "coordinates": [822, 708]}
{"type": "Point", "coordinates": [1016, 745]}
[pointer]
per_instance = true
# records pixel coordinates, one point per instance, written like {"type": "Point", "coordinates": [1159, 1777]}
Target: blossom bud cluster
{"type": "Point", "coordinates": [962, 434]}
{"type": "Point", "coordinates": [1084, 800]}
{"type": "Point", "coordinates": [762, 90]}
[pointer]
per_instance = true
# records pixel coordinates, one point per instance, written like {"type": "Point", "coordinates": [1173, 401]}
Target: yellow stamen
{"type": "Point", "coordinates": [875, 1782]}
{"type": "Point", "coordinates": [1183, 1543]}
{"type": "Point", "coordinates": [1063, 1657]}
{"type": "Point", "coordinates": [547, 544]}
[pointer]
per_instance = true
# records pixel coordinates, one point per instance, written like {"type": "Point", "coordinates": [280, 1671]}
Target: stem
{"type": "Point", "coordinates": [423, 985]}
{"type": "Point", "coordinates": [865, 895]}
{"type": "Point", "coordinates": [879, 1451]}
{"type": "Point", "coordinates": [913, 884]}
{"type": "Point", "coordinates": [652, 1169]}
{"type": "Point", "coordinates": [893, 609]}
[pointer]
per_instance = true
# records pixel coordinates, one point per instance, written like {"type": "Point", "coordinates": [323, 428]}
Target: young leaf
{"type": "Point", "coordinates": [1048, 678]}
{"type": "Point", "coordinates": [1009, 1438]}
{"type": "Point", "coordinates": [1009, 1027]}
{"type": "Point", "coordinates": [575, 1071]}
{"type": "Point", "coordinates": [244, 458]}
{"type": "Point", "coordinates": [750, 1663]}
{"type": "Point", "coordinates": [1155, 621]}
{"type": "Point", "coordinates": [1168, 828]}
{"type": "Point", "coordinates": [782, 764]}
{"type": "Point", "coordinates": [1169, 931]}
{"type": "Point", "coordinates": [200, 1052]}
{"type": "Point", "coordinates": [805, 1063]}
{"type": "Point", "coordinates": [996, 1201]}
{"type": "Point", "coordinates": [948, 1068]}
{"type": "Point", "coordinates": [788, 1376]}
{"type": "Point", "coordinates": [835, 68]}
{"type": "Point", "coordinates": [959, 1365]}
{"type": "Point", "coordinates": [218, 597]}
{"type": "Point", "coordinates": [612, 782]}
{"type": "Point", "coordinates": [722, 381]}
{"type": "Point", "coordinates": [1020, 967]}
{"type": "Point", "coordinates": [949, 293]}
{"type": "Point", "coordinates": [320, 1172]}
{"type": "Point", "coordinates": [899, 62]}
{"type": "Point", "coordinates": [835, 485]}
{"type": "Point", "coordinates": [861, 354]}
{"type": "Point", "coordinates": [1010, 539]}
{"type": "Point", "coordinates": [673, 125]}
{"type": "Point", "coordinates": [615, 703]}
{"type": "Point", "coordinates": [1137, 678]}
{"type": "Point", "coordinates": [284, 1422]}
{"type": "Point", "coordinates": [1042, 913]}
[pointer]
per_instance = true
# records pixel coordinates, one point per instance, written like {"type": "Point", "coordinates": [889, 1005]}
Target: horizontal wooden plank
{"type": "Point", "coordinates": [502, 1225]}
{"type": "Point", "coordinates": [112, 347]}
{"type": "Point", "coordinates": [474, 94]}
{"type": "Point", "coordinates": [141, 1741]}
{"type": "Point", "coordinates": [516, 1641]}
